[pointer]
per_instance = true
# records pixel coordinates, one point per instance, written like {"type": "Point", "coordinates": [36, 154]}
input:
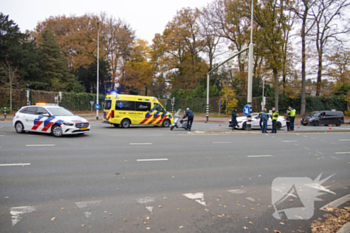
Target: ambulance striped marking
{"type": "Point", "coordinates": [147, 116]}
{"type": "Point", "coordinates": [37, 123]}
{"type": "Point", "coordinates": [155, 117]}
{"type": "Point", "coordinates": [163, 117]}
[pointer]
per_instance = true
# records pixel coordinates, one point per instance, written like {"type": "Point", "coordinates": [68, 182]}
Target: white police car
{"type": "Point", "coordinates": [49, 118]}
{"type": "Point", "coordinates": [255, 123]}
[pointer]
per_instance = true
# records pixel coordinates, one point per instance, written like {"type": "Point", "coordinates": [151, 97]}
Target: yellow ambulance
{"type": "Point", "coordinates": [125, 110]}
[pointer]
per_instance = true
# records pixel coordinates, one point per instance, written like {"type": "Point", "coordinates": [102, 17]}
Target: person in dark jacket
{"type": "Point", "coordinates": [264, 118]}
{"type": "Point", "coordinates": [189, 115]}
{"type": "Point", "coordinates": [233, 118]}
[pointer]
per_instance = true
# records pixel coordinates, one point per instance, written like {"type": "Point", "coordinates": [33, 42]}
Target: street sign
{"type": "Point", "coordinates": [220, 104]}
{"type": "Point", "coordinates": [246, 110]}
{"type": "Point", "coordinates": [165, 104]}
{"type": "Point", "coordinates": [92, 102]}
{"type": "Point", "coordinates": [97, 106]}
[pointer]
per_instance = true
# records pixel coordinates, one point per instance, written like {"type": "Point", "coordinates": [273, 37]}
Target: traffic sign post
{"type": "Point", "coordinates": [92, 103]}
{"type": "Point", "coordinates": [219, 108]}
{"type": "Point", "coordinates": [5, 112]}
{"type": "Point", "coordinates": [172, 104]}
{"type": "Point", "coordinates": [246, 110]}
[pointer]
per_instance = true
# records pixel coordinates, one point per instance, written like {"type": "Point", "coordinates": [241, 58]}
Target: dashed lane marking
{"type": "Point", "coordinates": [319, 152]}
{"type": "Point", "coordinates": [86, 205]}
{"type": "Point", "coordinates": [336, 203]}
{"type": "Point", "coordinates": [41, 145]}
{"type": "Point", "coordinates": [344, 140]}
{"type": "Point", "coordinates": [146, 143]}
{"type": "Point", "coordinates": [290, 141]}
{"type": "Point", "coordinates": [236, 191]}
{"type": "Point", "coordinates": [342, 153]}
{"type": "Point", "coordinates": [221, 142]}
{"type": "Point", "coordinates": [14, 164]}
{"type": "Point", "coordinates": [151, 160]}
{"type": "Point", "coordinates": [306, 148]}
{"type": "Point", "coordinates": [334, 157]}
{"type": "Point", "coordinates": [258, 156]}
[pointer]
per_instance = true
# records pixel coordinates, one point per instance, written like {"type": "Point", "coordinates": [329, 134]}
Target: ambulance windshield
{"type": "Point", "coordinates": [60, 112]}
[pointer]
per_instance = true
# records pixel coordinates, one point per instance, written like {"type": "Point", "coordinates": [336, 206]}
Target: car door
{"type": "Point", "coordinates": [42, 123]}
{"type": "Point", "coordinates": [322, 118]}
{"type": "Point", "coordinates": [158, 113]}
{"type": "Point", "coordinates": [30, 118]}
{"type": "Point", "coordinates": [256, 122]}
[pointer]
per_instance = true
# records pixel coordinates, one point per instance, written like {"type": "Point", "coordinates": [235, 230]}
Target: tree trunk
{"type": "Point", "coordinates": [275, 75]}
{"type": "Point", "coordinates": [319, 74]}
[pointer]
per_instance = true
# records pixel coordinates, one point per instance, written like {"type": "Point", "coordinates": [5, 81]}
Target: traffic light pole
{"type": "Point", "coordinates": [208, 75]}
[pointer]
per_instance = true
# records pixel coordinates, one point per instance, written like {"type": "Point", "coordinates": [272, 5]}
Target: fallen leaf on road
{"type": "Point", "coordinates": [259, 175]}
{"type": "Point", "coordinates": [148, 228]}
{"type": "Point", "coordinates": [165, 198]}
{"type": "Point", "coordinates": [53, 218]}
{"type": "Point", "coordinates": [159, 206]}
{"type": "Point", "coordinates": [266, 229]}
{"type": "Point", "coordinates": [147, 218]}
{"type": "Point", "coordinates": [282, 223]}
{"type": "Point", "coordinates": [225, 206]}
{"type": "Point", "coordinates": [207, 210]}
{"type": "Point", "coordinates": [250, 178]}
{"type": "Point", "coordinates": [124, 219]}
{"type": "Point", "coordinates": [251, 222]}
{"type": "Point", "coordinates": [104, 216]}
{"type": "Point", "coordinates": [6, 197]}
{"type": "Point", "coordinates": [245, 228]}
{"type": "Point", "coordinates": [181, 227]}
{"type": "Point", "coordinates": [219, 195]}
{"type": "Point", "coordinates": [110, 213]}
{"type": "Point", "coordinates": [62, 208]}
{"type": "Point", "coordinates": [83, 225]}
{"type": "Point", "coordinates": [145, 223]}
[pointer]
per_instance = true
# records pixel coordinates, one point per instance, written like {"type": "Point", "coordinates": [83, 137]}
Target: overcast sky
{"type": "Point", "coordinates": [146, 17]}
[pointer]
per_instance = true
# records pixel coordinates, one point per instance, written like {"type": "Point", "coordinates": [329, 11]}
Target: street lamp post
{"type": "Point", "coordinates": [98, 50]}
{"type": "Point", "coordinates": [233, 56]}
{"type": "Point", "coordinates": [250, 71]}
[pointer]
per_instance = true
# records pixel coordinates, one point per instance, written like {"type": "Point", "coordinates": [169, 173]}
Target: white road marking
{"type": "Point", "coordinates": [336, 203]}
{"type": "Point", "coordinates": [145, 200]}
{"type": "Point", "coordinates": [2, 135]}
{"type": "Point", "coordinates": [87, 214]}
{"type": "Point", "coordinates": [305, 136]}
{"type": "Point", "coordinates": [290, 141]}
{"type": "Point", "coordinates": [320, 187]}
{"type": "Point", "coordinates": [42, 145]}
{"type": "Point", "coordinates": [199, 131]}
{"type": "Point", "coordinates": [149, 208]}
{"type": "Point", "coordinates": [342, 153]}
{"type": "Point", "coordinates": [296, 145]}
{"type": "Point", "coordinates": [251, 199]}
{"type": "Point", "coordinates": [146, 143]}
{"type": "Point", "coordinates": [151, 160]}
{"type": "Point", "coordinates": [258, 156]}
{"type": "Point", "coordinates": [306, 148]}
{"type": "Point", "coordinates": [221, 142]}
{"type": "Point", "coordinates": [344, 140]}
{"type": "Point", "coordinates": [319, 152]}
{"type": "Point", "coordinates": [334, 157]}
{"type": "Point", "coordinates": [17, 212]}
{"type": "Point", "coordinates": [14, 164]}
{"type": "Point", "coordinates": [85, 204]}
{"type": "Point", "coordinates": [198, 197]}
{"type": "Point", "coordinates": [237, 191]}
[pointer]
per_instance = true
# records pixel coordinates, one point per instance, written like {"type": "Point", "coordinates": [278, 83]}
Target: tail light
{"type": "Point", "coordinates": [112, 114]}
{"type": "Point", "coordinates": [14, 115]}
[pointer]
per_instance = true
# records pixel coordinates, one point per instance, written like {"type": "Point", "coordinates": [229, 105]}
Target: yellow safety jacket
{"type": "Point", "coordinates": [292, 113]}
{"type": "Point", "coordinates": [275, 116]}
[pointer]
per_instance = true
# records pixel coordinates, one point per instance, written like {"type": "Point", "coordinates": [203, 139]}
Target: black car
{"type": "Point", "coordinates": [316, 118]}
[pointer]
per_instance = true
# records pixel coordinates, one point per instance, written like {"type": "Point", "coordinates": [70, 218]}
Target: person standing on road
{"type": "Point", "coordinates": [264, 121]}
{"type": "Point", "coordinates": [233, 118]}
{"type": "Point", "coordinates": [291, 117]}
{"type": "Point", "coordinates": [189, 115]}
{"type": "Point", "coordinates": [274, 120]}
{"type": "Point", "coordinates": [286, 117]}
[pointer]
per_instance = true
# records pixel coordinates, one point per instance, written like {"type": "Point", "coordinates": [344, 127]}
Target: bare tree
{"type": "Point", "coordinates": [11, 75]}
{"type": "Point", "coordinates": [328, 15]}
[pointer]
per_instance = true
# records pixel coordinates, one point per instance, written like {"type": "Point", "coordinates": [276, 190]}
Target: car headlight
{"type": "Point", "coordinates": [68, 123]}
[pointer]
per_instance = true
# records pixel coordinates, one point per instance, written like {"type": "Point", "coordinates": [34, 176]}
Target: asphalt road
{"type": "Point", "coordinates": [156, 180]}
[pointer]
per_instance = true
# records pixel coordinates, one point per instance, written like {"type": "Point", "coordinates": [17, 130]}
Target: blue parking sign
{"type": "Point", "coordinates": [97, 106]}
{"type": "Point", "coordinates": [246, 110]}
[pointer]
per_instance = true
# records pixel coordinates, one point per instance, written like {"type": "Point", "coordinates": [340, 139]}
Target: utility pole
{"type": "Point", "coordinates": [98, 53]}
{"type": "Point", "coordinates": [250, 71]}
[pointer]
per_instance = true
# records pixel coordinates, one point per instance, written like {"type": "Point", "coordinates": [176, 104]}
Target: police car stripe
{"type": "Point", "coordinates": [47, 126]}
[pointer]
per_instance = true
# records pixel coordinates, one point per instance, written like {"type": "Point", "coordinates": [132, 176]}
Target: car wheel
{"type": "Point", "coordinates": [19, 127]}
{"type": "Point", "coordinates": [315, 123]}
{"type": "Point", "coordinates": [166, 123]}
{"type": "Point", "coordinates": [337, 124]}
{"type": "Point", "coordinates": [278, 125]}
{"type": "Point", "coordinates": [244, 126]}
{"type": "Point", "coordinates": [57, 131]}
{"type": "Point", "coordinates": [125, 123]}
{"type": "Point", "coordinates": [116, 125]}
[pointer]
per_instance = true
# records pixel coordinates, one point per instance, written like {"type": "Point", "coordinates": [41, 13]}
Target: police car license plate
{"type": "Point", "coordinates": [83, 128]}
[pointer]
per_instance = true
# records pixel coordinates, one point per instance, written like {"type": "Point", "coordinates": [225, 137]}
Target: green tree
{"type": "Point", "coordinates": [55, 72]}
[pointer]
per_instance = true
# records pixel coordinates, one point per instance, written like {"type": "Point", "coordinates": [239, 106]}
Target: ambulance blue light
{"type": "Point", "coordinates": [114, 93]}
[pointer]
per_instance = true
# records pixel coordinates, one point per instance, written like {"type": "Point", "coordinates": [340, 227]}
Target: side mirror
{"type": "Point", "coordinates": [46, 115]}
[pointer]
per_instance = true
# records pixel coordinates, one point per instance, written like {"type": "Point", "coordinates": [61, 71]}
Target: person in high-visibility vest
{"type": "Point", "coordinates": [274, 120]}
{"type": "Point", "coordinates": [291, 113]}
